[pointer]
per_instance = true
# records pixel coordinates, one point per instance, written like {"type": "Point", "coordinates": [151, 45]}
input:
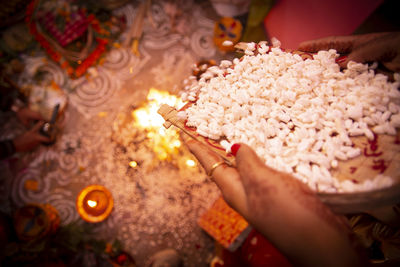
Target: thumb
{"type": "Point", "coordinates": [364, 54]}
{"type": "Point", "coordinates": [249, 165]}
{"type": "Point", "coordinates": [393, 65]}
{"type": "Point", "coordinates": [37, 126]}
{"type": "Point", "coordinates": [378, 49]}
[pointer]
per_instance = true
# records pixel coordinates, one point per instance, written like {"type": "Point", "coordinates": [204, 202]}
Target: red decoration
{"type": "Point", "coordinates": [56, 56]}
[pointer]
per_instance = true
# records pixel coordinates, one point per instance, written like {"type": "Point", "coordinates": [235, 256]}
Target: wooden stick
{"type": "Point", "coordinates": [170, 116]}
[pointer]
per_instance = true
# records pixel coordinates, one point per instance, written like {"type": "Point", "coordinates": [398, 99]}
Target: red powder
{"type": "Point", "coordinates": [373, 154]}
{"type": "Point", "coordinates": [379, 165]}
{"type": "Point", "coordinates": [373, 146]}
{"type": "Point", "coordinates": [353, 169]}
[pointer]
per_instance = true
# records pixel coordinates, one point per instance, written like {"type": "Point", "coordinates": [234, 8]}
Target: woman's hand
{"type": "Point", "coordinates": [30, 139]}
{"type": "Point", "coordinates": [26, 116]}
{"type": "Point", "coordinates": [380, 47]}
{"type": "Point", "coordinates": [282, 208]}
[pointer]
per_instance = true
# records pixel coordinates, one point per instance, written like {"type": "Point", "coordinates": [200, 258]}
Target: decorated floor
{"type": "Point", "coordinates": [158, 197]}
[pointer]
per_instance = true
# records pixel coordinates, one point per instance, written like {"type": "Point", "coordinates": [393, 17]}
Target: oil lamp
{"type": "Point", "coordinates": [94, 203]}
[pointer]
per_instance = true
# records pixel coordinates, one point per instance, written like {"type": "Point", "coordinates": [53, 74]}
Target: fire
{"type": "Point", "coordinates": [92, 203]}
{"type": "Point", "coordinates": [165, 142]}
{"type": "Point", "coordinates": [190, 163]}
{"type": "Point", "coordinates": [133, 164]}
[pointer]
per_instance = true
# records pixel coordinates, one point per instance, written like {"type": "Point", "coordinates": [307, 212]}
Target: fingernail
{"type": "Point", "coordinates": [341, 59]}
{"type": "Point", "coordinates": [234, 149]}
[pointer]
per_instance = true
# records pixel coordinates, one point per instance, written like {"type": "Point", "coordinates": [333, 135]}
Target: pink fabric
{"type": "Point", "coordinates": [294, 21]}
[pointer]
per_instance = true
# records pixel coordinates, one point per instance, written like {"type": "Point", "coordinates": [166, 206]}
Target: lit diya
{"type": "Point", "coordinates": [94, 203]}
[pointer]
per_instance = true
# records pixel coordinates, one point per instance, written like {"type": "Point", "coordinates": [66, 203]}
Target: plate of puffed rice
{"type": "Point", "coordinates": [335, 130]}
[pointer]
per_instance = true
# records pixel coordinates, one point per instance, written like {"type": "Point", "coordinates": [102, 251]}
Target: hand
{"type": "Point", "coordinates": [381, 47]}
{"type": "Point", "coordinates": [26, 115]}
{"type": "Point", "coordinates": [282, 208]}
{"type": "Point", "coordinates": [30, 139]}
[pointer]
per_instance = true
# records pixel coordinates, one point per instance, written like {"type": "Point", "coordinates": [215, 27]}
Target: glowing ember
{"type": "Point", "coordinates": [164, 142]}
{"type": "Point", "coordinates": [190, 163]}
{"type": "Point", "coordinates": [133, 164]}
{"type": "Point", "coordinates": [92, 203]}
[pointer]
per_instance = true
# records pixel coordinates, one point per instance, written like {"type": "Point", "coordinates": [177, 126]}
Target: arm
{"type": "Point", "coordinates": [283, 209]}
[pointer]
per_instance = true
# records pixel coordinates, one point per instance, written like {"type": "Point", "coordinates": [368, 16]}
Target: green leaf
{"type": "Point", "coordinates": [258, 10]}
{"type": "Point", "coordinates": [254, 34]}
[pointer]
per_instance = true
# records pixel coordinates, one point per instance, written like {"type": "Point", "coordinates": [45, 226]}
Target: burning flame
{"type": "Point", "coordinates": [133, 164]}
{"type": "Point", "coordinates": [92, 203]}
{"type": "Point", "coordinates": [190, 163]}
{"type": "Point", "coordinates": [165, 142]}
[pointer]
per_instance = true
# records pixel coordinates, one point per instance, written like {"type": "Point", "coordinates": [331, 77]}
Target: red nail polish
{"type": "Point", "coordinates": [234, 149]}
{"type": "Point", "coordinates": [341, 59]}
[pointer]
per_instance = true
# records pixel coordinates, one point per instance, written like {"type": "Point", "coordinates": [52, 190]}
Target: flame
{"type": "Point", "coordinates": [92, 203]}
{"type": "Point", "coordinates": [190, 163]}
{"type": "Point", "coordinates": [165, 142]}
{"type": "Point", "coordinates": [133, 164]}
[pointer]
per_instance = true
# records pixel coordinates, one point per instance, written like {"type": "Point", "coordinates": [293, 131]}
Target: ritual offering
{"type": "Point", "coordinates": [227, 32]}
{"type": "Point", "coordinates": [70, 34]}
{"type": "Point", "coordinates": [335, 130]}
{"type": "Point", "coordinates": [94, 203]}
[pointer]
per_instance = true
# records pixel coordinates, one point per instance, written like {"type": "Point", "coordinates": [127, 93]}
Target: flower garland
{"type": "Point", "coordinates": [56, 56]}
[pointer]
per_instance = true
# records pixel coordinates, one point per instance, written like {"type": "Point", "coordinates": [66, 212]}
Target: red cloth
{"type": "Point", "coordinates": [293, 21]}
{"type": "Point", "coordinates": [256, 251]}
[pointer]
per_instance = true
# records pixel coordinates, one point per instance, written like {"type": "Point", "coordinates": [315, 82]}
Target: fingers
{"type": "Point", "coordinates": [226, 178]}
{"type": "Point", "coordinates": [393, 65]}
{"type": "Point", "coordinates": [379, 50]}
{"type": "Point", "coordinates": [42, 138]}
{"type": "Point", "coordinates": [342, 44]}
{"type": "Point", "coordinates": [37, 126]}
{"type": "Point", "coordinates": [382, 47]}
{"type": "Point", "coordinates": [249, 166]}
{"type": "Point", "coordinates": [34, 115]}
{"type": "Point", "coordinates": [206, 157]}
{"type": "Point", "coordinates": [26, 114]}
{"type": "Point", "coordinates": [36, 134]}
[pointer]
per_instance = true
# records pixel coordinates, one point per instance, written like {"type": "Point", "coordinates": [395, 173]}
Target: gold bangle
{"type": "Point", "coordinates": [216, 165]}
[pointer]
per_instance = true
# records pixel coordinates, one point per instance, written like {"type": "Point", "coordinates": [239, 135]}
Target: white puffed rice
{"type": "Point", "coordinates": [227, 43]}
{"type": "Point", "coordinates": [296, 114]}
